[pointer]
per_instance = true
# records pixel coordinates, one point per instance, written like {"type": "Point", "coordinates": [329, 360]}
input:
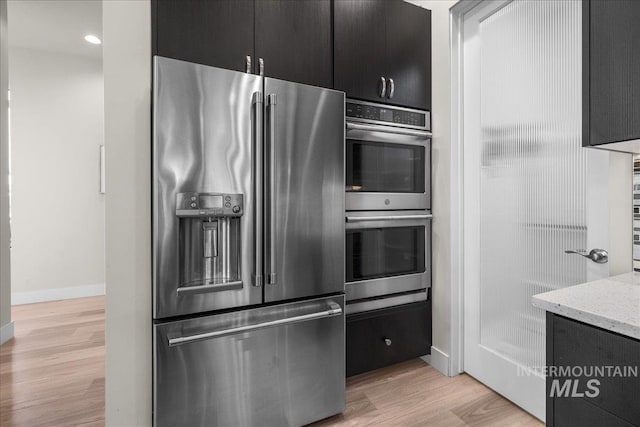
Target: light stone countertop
{"type": "Point", "coordinates": [612, 303]}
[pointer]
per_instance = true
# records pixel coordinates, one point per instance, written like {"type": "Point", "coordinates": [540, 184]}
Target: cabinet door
{"type": "Point", "coordinates": [217, 33]}
{"type": "Point", "coordinates": [294, 39]}
{"type": "Point", "coordinates": [359, 47]}
{"type": "Point", "coordinates": [611, 71]}
{"type": "Point", "coordinates": [408, 54]}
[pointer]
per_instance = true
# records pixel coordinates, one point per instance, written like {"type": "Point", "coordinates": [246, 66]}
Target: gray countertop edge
{"type": "Point", "coordinates": [589, 318]}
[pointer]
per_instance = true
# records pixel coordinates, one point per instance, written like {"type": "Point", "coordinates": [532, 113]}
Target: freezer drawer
{"type": "Point", "coordinates": [282, 365]}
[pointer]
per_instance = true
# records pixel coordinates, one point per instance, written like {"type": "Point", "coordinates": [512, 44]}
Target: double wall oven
{"type": "Point", "coordinates": [388, 206]}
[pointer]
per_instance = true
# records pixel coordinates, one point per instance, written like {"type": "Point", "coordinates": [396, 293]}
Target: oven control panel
{"type": "Point", "coordinates": [209, 204]}
{"type": "Point", "coordinates": [379, 113]}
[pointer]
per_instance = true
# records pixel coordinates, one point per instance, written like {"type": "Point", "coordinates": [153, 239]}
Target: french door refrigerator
{"type": "Point", "coordinates": [248, 248]}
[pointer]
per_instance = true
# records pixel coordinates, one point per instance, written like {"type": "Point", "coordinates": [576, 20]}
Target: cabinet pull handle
{"type": "Point", "coordinates": [392, 88]}
{"type": "Point", "coordinates": [248, 64]}
{"type": "Point", "coordinates": [261, 66]}
{"type": "Point", "coordinates": [383, 86]}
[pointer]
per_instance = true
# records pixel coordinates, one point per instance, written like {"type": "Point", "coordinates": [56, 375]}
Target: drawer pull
{"type": "Point", "coordinates": [387, 341]}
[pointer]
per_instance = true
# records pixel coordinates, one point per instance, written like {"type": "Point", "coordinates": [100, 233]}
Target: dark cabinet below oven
{"type": "Point", "coordinates": [387, 336]}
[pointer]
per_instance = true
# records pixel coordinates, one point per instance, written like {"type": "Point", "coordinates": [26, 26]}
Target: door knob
{"type": "Point", "coordinates": [599, 256]}
{"type": "Point", "coordinates": [387, 341]}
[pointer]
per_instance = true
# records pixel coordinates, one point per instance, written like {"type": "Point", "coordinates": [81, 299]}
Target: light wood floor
{"type": "Point", "coordinates": [52, 374]}
{"type": "Point", "coordinates": [415, 394]}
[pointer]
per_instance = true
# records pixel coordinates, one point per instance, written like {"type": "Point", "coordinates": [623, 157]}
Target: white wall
{"type": "Point", "coordinates": [57, 213]}
{"type": "Point", "coordinates": [6, 326]}
{"type": "Point", "coordinates": [127, 88]}
{"type": "Point", "coordinates": [440, 175]}
{"type": "Point", "coordinates": [620, 213]}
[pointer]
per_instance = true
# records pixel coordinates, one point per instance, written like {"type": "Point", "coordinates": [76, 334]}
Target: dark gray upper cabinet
{"type": "Point", "coordinates": [294, 40]}
{"type": "Point", "coordinates": [360, 44]}
{"type": "Point", "coordinates": [611, 72]}
{"type": "Point", "coordinates": [218, 33]}
{"type": "Point", "coordinates": [292, 37]}
{"type": "Point", "coordinates": [378, 39]}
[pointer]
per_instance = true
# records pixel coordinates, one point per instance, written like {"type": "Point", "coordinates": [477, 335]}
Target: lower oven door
{"type": "Point", "coordinates": [387, 252]}
{"type": "Point", "coordinates": [282, 365]}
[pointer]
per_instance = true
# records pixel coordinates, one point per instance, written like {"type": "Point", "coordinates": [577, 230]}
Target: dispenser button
{"type": "Point", "coordinates": [227, 198]}
{"type": "Point", "coordinates": [193, 205]}
{"type": "Point", "coordinates": [236, 209]}
{"type": "Point", "coordinates": [194, 198]}
{"type": "Point", "coordinates": [227, 205]}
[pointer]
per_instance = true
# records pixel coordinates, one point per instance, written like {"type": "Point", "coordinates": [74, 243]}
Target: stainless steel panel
{"type": "Point", "coordinates": [391, 301]}
{"type": "Point", "coordinates": [202, 143]}
{"type": "Point", "coordinates": [392, 284]}
{"type": "Point", "coordinates": [427, 124]}
{"type": "Point", "coordinates": [362, 201]}
{"type": "Point", "coordinates": [388, 285]}
{"type": "Point", "coordinates": [283, 366]}
{"type": "Point", "coordinates": [305, 133]}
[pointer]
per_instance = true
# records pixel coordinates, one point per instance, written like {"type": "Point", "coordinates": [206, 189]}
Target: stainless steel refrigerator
{"type": "Point", "coordinates": [248, 249]}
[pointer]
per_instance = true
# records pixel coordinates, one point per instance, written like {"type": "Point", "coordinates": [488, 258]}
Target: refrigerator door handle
{"type": "Point", "coordinates": [271, 104]}
{"type": "Point", "coordinates": [335, 310]}
{"type": "Point", "coordinates": [258, 184]}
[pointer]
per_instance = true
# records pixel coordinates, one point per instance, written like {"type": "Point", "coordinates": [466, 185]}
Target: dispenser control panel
{"type": "Point", "coordinates": [209, 204]}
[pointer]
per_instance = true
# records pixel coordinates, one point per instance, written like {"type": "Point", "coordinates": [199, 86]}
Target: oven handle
{"type": "Point", "coordinates": [387, 218]}
{"type": "Point", "coordinates": [395, 130]}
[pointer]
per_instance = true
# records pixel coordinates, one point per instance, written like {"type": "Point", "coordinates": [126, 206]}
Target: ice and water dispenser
{"type": "Point", "coordinates": [209, 241]}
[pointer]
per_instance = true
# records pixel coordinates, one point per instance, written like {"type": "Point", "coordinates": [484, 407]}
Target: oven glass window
{"type": "Point", "coordinates": [384, 252]}
{"type": "Point", "coordinates": [385, 168]}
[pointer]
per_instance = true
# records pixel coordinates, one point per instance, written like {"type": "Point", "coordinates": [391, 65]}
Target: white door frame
{"type": "Point", "coordinates": [457, 12]}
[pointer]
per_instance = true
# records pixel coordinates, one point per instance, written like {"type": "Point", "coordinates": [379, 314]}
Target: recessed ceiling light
{"type": "Point", "coordinates": [92, 39]}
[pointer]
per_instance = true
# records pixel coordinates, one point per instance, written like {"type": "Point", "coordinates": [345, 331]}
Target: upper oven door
{"type": "Point", "coordinates": [388, 168]}
{"type": "Point", "coordinates": [387, 252]}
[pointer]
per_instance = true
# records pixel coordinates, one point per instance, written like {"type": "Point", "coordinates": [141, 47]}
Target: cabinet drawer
{"type": "Point", "coordinates": [408, 327]}
{"type": "Point", "coordinates": [578, 412]}
{"type": "Point", "coordinates": [576, 344]}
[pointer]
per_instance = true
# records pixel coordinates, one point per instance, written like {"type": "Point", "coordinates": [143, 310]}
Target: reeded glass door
{"type": "Point", "coordinates": [531, 191]}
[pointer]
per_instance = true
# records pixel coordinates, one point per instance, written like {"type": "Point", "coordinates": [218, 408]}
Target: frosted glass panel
{"type": "Point", "coordinates": [533, 172]}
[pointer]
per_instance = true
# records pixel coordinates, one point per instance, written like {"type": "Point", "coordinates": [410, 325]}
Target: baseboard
{"type": "Point", "coordinates": [439, 360]}
{"type": "Point", "coordinates": [6, 333]}
{"type": "Point", "coordinates": [18, 298]}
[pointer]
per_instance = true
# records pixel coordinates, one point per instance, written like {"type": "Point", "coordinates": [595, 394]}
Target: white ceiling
{"type": "Point", "coordinates": [56, 25]}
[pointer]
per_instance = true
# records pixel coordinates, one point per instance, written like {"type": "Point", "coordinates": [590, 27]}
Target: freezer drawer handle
{"type": "Point", "coordinates": [387, 218]}
{"type": "Point", "coordinates": [202, 289]}
{"type": "Point", "coordinates": [335, 311]}
{"type": "Point", "coordinates": [388, 129]}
